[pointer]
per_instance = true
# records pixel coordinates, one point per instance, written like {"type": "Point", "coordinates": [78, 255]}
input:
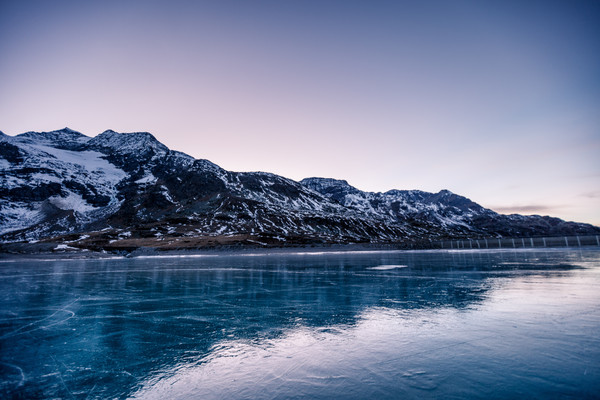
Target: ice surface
{"type": "Point", "coordinates": [388, 267]}
{"type": "Point", "coordinates": [452, 325]}
{"type": "Point", "coordinates": [64, 247]}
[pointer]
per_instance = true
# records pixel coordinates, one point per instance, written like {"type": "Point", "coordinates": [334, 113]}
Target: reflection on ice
{"type": "Point", "coordinates": [431, 324]}
{"type": "Point", "coordinates": [489, 351]}
{"type": "Point", "coordinates": [325, 362]}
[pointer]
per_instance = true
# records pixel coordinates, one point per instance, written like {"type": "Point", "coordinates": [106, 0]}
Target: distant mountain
{"type": "Point", "coordinates": [127, 190]}
{"type": "Point", "coordinates": [443, 213]}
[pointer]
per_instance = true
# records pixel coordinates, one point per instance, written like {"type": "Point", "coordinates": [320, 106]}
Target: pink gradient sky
{"type": "Point", "coordinates": [498, 101]}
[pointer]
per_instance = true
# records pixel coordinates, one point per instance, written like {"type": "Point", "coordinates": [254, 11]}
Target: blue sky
{"type": "Point", "coordinates": [495, 100]}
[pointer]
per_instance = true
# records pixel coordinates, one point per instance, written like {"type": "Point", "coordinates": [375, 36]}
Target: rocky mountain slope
{"type": "Point", "coordinates": [126, 190]}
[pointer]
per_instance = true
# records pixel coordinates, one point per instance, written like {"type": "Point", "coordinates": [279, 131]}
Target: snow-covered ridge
{"type": "Point", "coordinates": [444, 209]}
{"type": "Point", "coordinates": [59, 182]}
{"type": "Point", "coordinates": [328, 184]}
{"type": "Point", "coordinates": [127, 143]}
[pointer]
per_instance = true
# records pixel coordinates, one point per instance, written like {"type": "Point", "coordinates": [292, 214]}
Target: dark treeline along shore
{"type": "Point", "coordinates": [121, 192]}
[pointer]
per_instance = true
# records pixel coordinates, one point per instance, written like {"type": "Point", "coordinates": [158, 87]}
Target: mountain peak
{"type": "Point", "coordinates": [125, 143]}
{"type": "Point", "coordinates": [67, 130]}
{"type": "Point", "coordinates": [66, 138]}
{"type": "Point", "coordinates": [318, 184]}
{"type": "Point", "coordinates": [112, 133]}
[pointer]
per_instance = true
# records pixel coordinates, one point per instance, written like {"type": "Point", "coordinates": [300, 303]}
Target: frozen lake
{"type": "Point", "coordinates": [384, 325]}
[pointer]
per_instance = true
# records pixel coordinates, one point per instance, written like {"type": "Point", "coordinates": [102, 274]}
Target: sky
{"type": "Point", "coordinates": [498, 101]}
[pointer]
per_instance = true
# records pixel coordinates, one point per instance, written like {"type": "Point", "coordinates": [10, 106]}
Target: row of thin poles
{"type": "Point", "coordinates": [499, 243]}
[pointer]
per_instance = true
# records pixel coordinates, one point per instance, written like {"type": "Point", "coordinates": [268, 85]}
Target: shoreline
{"type": "Point", "coordinates": [249, 251]}
{"type": "Point", "coordinates": [49, 250]}
{"type": "Point", "coordinates": [108, 244]}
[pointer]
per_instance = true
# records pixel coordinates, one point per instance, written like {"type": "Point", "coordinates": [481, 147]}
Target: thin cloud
{"type": "Point", "coordinates": [526, 209]}
{"type": "Point", "coordinates": [591, 195]}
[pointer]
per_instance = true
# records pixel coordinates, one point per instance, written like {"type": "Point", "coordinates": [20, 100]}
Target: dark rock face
{"type": "Point", "coordinates": [10, 153]}
{"type": "Point", "coordinates": [129, 186]}
{"type": "Point", "coordinates": [37, 193]}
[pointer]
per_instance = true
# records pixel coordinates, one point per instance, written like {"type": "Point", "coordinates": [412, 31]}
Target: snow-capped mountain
{"type": "Point", "coordinates": [52, 182]}
{"type": "Point", "coordinates": [121, 190]}
{"type": "Point", "coordinates": [441, 212]}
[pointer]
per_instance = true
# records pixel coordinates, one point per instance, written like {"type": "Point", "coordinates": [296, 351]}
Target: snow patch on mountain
{"type": "Point", "coordinates": [92, 161]}
{"type": "Point", "coordinates": [71, 201]}
{"type": "Point", "coordinates": [147, 179]}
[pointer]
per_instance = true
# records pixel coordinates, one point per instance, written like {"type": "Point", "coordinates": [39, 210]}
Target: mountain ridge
{"type": "Point", "coordinates": [139, 192]}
